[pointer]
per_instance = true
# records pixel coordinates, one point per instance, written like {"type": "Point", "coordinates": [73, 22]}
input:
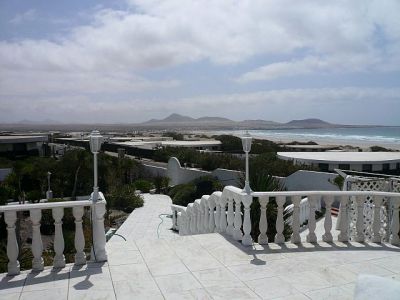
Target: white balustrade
{"type": "Point", "coordinates": [206, 212]}
{"type": "Point", "coordinates": [304, 203]}
{"type": "Point", "coordinates": [394, 237]}
{"type": "Point", "coordinates": [262, 237]}
{"type": "Point", "coordinates": [237, 231]}
{"type": "Point", "coordinates": [222, 216]}
{"type": "Point", "coordinates": [376, 238]}
{"type": "Point", "coordinates": [327, 237]}
{"type": "Point", "coordinates": [211, 206]}
{"type": "Point", "coordinates": [57, 209]}
{"type": "Point", "coordinates": [230, 219]}
{"type": "Point", "coordinates": [295, 238]}
{"type": "Point", "coordinates": [247, 239]}
{"type": "Point", "coordinates": [12, 244]}
{"type": "Point", "coordinates": [59, 258]}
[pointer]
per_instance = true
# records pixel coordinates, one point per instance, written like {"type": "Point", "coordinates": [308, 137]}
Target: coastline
{"type": "Point", "coordinates": [364, 145]}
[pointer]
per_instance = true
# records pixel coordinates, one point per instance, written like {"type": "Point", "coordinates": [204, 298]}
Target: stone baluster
{"type": "Point", "coordinates": [262, 237]}
{"type": "Point", "coordinates": [237, 231]}
{"type": "Point", "coordinates": [37, 244]}
{"type": "Point", "coordinates": [343, 225]}
{"type": "Point", "coordinates": [217, 216]}
{"type": "Point", "coordinates": [360, 220]}
{"type": "Point", "coordinates": [231, 217]}
{"type": "Point", "coordinates": [222, 218]}
{"type": "Point", "coordinates": [394, 236]}
{"type": "Point", "coordinates": [206, 213]}
{"type": "Point", "coordinates": [311, 237]}
{"type": "Point", "coordinates": [199, 215]}
{"type": "Point", "coordinates": [80, 256]}
{"type": "Point", "coordinates": [376, 226]}
{"type": "Point", "coordinates": [193, 220]}
{"type": "Point", "coordinates": [59, 259]}
{"type": "Point", "coordinates": [279, 237]}
{"type": "Point", "coordinates": [211, 220]}
{"type": "Point", "coordinates": [295, 238]}
{"type": "Point", "coordinates": [247, 239]}
{"type": "Point", "coordinates": [99, 236]}
{"type": "Point", "coordinates": [10, 217]}
{"type": "Point", "coordinates": [327, 237]}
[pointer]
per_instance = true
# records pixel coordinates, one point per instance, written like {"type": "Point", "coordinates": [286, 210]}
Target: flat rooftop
{"type": "Point", "coordinates": [7, 139]}
{"type": "Point", "coordinates": [343, 157]}
{"type": "Point", "coordinates": [156, 263]}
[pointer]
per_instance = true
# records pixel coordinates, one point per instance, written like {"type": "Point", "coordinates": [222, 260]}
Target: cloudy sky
{"type": "Point", "coordinates": [131, 60]}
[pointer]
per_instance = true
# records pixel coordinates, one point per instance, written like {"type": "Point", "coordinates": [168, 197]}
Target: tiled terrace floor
{"type": "Point", "coordinates": [207, 266]}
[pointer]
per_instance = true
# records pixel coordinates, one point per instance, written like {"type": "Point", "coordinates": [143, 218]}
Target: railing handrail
{"type": "Point", "coordinates": [47, 205]}
{"type": "Point", "coordinates": [326, 193]}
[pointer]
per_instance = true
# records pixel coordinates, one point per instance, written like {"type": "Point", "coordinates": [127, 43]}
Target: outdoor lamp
{"type": "Point", "coordinates": [95, 144]}
{"type": "Point", "coordinates": [95, 141]}
{"type": "Point", "coordinates": [246, 143]}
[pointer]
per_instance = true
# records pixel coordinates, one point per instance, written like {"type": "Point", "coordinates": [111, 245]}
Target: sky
{"type": "Point", "coordinates": [127, 61]}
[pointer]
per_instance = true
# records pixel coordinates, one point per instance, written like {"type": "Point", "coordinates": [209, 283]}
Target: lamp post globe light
{"type": "Point", "coordinates": [95, 144]}
{"type": "Point", "coordinates": [246, 143]}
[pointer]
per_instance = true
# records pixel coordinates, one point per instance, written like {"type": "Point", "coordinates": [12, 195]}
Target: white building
{"type": "Point", "coordinates": [357, 161]}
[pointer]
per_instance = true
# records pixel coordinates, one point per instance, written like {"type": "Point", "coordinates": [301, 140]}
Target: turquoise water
{"type": "Point", "coordinates": [365, 135]}
{"type": "Point", "coordinates": [390, 135]}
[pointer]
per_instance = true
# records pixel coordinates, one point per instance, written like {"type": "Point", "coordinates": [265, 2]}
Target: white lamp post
{"type": "Point", "coordinates": [49, 193]}
{"type": "Point", "coordinates": [95, 144]}
{"type": "Point", "coordinates": [246, 143]}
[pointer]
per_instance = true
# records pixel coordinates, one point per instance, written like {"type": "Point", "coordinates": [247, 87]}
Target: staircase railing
{"type": "Point", "coordinates": [221, 212]}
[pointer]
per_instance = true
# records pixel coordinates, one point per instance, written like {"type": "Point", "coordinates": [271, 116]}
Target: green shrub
{"type": "Point", "coordinates": [124, 198]}
{"type": "Point", "coordinates": [143, 185]}
{"type": "Point", "coordinates": [183, 194]}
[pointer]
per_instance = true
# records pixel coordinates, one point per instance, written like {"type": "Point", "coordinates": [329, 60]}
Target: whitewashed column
{"type": "Point", "coordinates": [376, 225]}
{"type": "Point", "coordinates": [360, 219]}
{"type": "Point", "coordinates": [222, 218]}
{"type": "Point", "coordinates": [343, 220]}
{"type": "Point", "coordinates": [80, 256]}
{"type": "Point", "coordinates": [231, 217]}
{"type": "Point", "coordinates": [295, 238]}
{"type": "Point", "coordinates": [279, 237]}
{"type": "Point", "coordinates": [394, 236]}
{"type": "Point", "coordinates": [237, 231]}
{"type": "Point", "coordinates": [211, 221]}
{"type": "Point", "coordinates": [13, 268]}
{"type": "Point", "coordinates": [247, 239]}
{"type": "Point", "coordinates": [99, 235]}
{"type": "Point", "coordinates": [327, 237]}
{"type": "Point", "coordinates": [37, 244]}
{"type": "Point", "coordinates": [311, 237]}
{"type": "Point", "coordinates": [262, 237]}
{"type": "Point", "coordinates": [59, 259]}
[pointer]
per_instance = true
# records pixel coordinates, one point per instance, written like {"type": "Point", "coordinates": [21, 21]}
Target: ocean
{"type": "Point", "coordinates": [385, 136]}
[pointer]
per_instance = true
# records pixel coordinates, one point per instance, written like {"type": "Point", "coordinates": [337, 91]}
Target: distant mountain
{"type": "Point", "coordinates": [31, 122]}
{"type": "Point", "coordinates": [307, 123]}
{"type": "Point", "coordinates": [177, 118]}
{"type": "Point", "coordinates": [180, 121]}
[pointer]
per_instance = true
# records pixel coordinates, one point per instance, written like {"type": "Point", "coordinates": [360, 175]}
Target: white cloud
{"type": "Point", "coordinates": [28, 15]}
{"type": "Point", "coordinates": [114, 51]}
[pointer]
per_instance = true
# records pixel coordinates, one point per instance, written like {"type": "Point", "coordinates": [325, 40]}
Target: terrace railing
{"type": "Point", "coordinates": [57, 208]}
{"type": "Point", "coordinates": [221, 212]}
